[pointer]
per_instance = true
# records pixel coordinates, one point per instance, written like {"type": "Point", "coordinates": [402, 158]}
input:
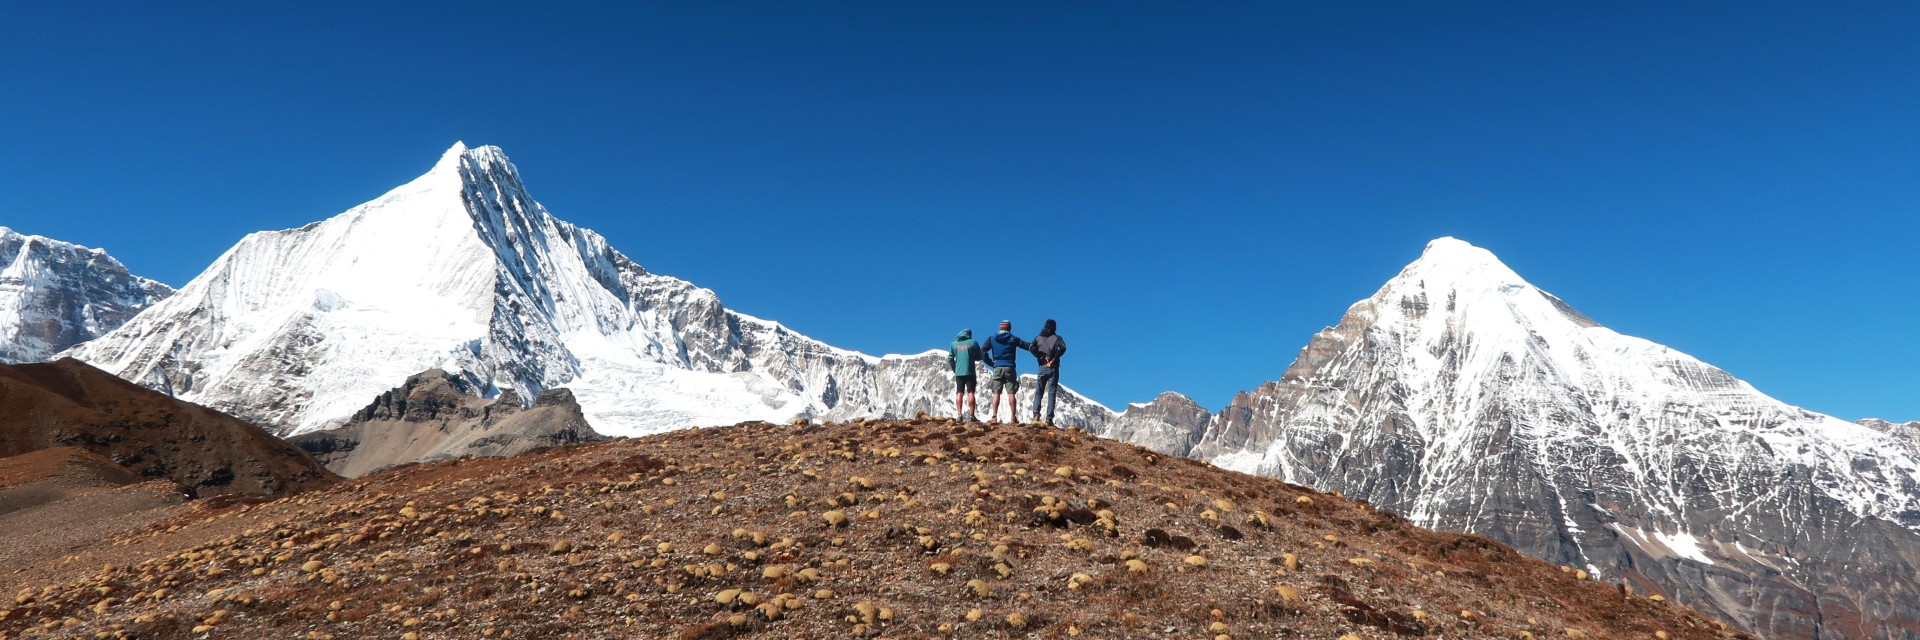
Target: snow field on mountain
{"type": "Point", "coordinates": [642, 398]}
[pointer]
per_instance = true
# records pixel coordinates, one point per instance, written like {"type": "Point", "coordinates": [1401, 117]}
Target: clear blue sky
{"type": "Point", "coordinates": [1192, 189]}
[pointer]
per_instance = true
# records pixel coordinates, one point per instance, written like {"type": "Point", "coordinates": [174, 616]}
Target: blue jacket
{"type": "Point", "coordinates": [1002, 347]}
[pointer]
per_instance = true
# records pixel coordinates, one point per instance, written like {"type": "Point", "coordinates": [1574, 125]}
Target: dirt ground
{"type": "Point", "coordinates": [911, 529]}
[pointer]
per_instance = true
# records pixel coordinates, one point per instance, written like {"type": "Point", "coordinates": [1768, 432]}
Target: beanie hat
{"type": "Point", "coordinates": [1006, 325]}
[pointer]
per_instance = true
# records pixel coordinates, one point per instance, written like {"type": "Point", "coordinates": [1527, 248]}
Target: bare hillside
{"type": "Point", "coordinates": [915, 529]}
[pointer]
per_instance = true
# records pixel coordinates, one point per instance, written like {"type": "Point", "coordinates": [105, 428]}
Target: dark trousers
{"type": "Point", "coordinates": [1049, 389]}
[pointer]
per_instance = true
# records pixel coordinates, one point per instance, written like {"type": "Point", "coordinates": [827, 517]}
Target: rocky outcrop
{"type": "Point", "coordinates": [70, 404]}
{"type": "Point", "coordinates": [436, 415]}
{"type": "Point", "coordinates": [54, 295]}
{"type": "Point", "coordinates": [1466, 399]}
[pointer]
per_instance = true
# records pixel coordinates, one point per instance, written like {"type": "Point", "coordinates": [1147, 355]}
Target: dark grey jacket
{"type": "Point", "coordinates": [1048, 347]}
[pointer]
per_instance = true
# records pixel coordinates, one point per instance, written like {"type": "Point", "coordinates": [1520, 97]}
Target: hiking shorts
{"type": "Point", "coordinates": [966, 383]}
{"type": "Point", "coordinates": [1003, 378]}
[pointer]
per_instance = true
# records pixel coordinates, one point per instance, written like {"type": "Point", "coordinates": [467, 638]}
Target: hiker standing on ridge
{"type": "Point", "coordinates": [1001, 348]}
{"type": "Point", "coordinates": [962, 355]}
{"type": "Point", "coordinates": [1047, 348]}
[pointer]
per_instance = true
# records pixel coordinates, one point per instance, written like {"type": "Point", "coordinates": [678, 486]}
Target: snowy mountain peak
{"type": "Point", "coordinates": [488, 159]}
{"type": "Point", "coordinates": [464, 163]}
{"type": "Point", "coordinates": [453, 155]}
{"type": "Point", "coordinates": [1449, 263]}
{"type": "Point", "coordinates": [11, 237]}
{"type": "Point", "coordinates": [1468, 289]}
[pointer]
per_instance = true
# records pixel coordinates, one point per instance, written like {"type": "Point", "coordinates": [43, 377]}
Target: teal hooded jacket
{"type": "Point", "coordinates": [963, 353]}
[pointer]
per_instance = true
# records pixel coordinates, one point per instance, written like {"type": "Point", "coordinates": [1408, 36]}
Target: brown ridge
{"type": "Point", "coordinates": [68, 403]}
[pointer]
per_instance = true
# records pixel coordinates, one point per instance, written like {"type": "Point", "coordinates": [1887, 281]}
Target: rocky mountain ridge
{"type": "Point", "coordinates": [435, 415]}
{"type": "Point", "coordinates": [54, 295]}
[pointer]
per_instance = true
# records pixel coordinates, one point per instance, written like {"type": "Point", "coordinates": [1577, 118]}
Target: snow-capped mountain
{"type": "Point", "coordinates": [462, 270]}
{"type": "Point", "coordinates": [1467, 399]}
{"type": "Point", "coordinates": [54, 295]}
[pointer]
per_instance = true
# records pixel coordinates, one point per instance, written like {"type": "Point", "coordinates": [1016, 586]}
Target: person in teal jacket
{"type": "Point", "coordinates": [962, 355]}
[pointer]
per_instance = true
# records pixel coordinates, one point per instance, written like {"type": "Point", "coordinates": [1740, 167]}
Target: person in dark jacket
{"type": "Point", "coordinates": [962, 355]}
{"type": "Point", "coordinates": [1047, 348]}
{"type": "Point", "coordinates": [1001, 349]}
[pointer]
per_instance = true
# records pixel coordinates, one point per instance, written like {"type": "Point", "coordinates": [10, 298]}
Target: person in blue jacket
{"type": "Point", "coordinates": [1001, 349]}
{"type": "Point", "coordinates": [962, 355]}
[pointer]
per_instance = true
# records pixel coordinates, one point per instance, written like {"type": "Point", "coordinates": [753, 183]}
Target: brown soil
{"type": "Point", "coordinates": [950, 530]}
{"type": "Point", "coordinates": [69, 468]}
{"type": "Point", "coordinates": [70, 404]}
{"type": "Point", "coordinates": [54, 503]}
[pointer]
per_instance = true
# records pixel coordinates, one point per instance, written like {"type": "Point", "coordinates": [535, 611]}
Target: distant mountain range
{"type": "Point", "coordinates": [1458, 395]}
{"type": "Point", "coordinates": [54, 295]}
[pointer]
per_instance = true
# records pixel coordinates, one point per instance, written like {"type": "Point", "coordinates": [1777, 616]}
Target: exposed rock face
{"type": "Point", "coordinates": [1469, 400]}
{"type": "Point", "coordinates": [1172, 424]}
{"type": "Point", "coordinates": [462, 270]}
{"type": "Point", "coordinates": [69, 404]}
{"type": "Point", "coordinates": [54, 295]}
{"type": "Point", "coordinates": [436, 415]}
{"type": "Point", "coordinates": [1907, 431]}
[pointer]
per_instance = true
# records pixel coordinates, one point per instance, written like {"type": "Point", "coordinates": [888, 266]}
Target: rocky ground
{"type": "Point", "coordinates": [55, 502]}
{"type": "Point", "coordinates": [913, 529]}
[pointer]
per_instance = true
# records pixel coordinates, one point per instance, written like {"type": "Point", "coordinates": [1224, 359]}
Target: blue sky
{"type": "Point", "coordinates": [1191, 189]}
